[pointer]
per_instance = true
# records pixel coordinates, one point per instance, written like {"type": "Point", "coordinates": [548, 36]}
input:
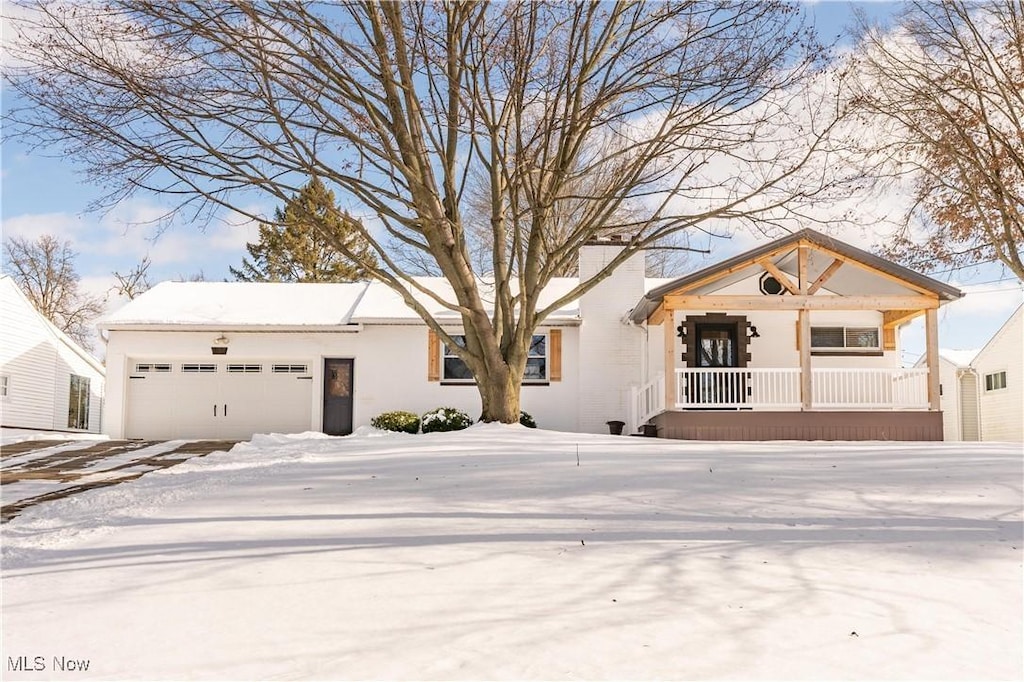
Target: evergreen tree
{"type": "Point", "coordinates": [296, 248]}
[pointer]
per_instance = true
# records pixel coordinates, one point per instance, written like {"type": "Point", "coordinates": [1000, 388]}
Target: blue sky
{"type": "Point", "coordinates": [44, 193]}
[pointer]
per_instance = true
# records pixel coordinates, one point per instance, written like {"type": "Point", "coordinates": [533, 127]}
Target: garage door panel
{"type": "Point", "coordinates": [203, 399]}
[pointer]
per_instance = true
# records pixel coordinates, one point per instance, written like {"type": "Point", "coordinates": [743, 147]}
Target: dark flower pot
{"type": "Point", "coordinates": [615, 427]}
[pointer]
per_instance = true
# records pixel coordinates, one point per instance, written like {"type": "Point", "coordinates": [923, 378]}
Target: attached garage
{"type": "Point", "coordinates": [207, 398]}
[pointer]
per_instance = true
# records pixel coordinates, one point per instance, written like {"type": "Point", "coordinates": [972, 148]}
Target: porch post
{"type": "Point", "coordinates": [931, 338]}
{"type": "Point", "coordinates": [669, 327]}
{"type": "Point", "coordinates": [804, 324]}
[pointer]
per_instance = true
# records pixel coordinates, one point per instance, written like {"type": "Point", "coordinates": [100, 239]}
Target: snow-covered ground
{"type": "Point", "coordinates": [506, 553]}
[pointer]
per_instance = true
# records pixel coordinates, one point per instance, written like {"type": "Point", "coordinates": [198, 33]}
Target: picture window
{"type": "Point", "coordinates": [455, 370]}
{"type": "Point", "coordinates": [845, 338]}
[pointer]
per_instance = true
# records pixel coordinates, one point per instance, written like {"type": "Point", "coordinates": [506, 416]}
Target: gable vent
{"type": "Point", "coordinates": [770, 286]}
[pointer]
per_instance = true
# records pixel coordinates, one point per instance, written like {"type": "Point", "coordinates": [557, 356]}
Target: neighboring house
{"type": "Point", "coordinates": [1000, 369]}
{"type": "Point", "coordinates": [796, 340]}
{"type": "Point", "coordinates": [47, 381]}
{"type": "Point", "coordinates": [983, 391]}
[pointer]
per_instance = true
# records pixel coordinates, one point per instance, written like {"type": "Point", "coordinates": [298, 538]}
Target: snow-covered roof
{"type": "Point", "coordinates": [960, 358]}
{"type": "Point", "coordinates": [227, 305]}
{"type": "Point", "coordinates": [239, 304]}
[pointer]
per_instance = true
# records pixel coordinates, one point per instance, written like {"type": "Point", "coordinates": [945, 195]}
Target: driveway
{"type": "Point", "coordinates": [36, 471]}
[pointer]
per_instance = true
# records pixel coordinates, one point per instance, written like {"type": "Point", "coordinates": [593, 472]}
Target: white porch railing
{"type": "Point", "coordinates": [650, 400]}
{"type": "Point", "coordinates": [779, 389]}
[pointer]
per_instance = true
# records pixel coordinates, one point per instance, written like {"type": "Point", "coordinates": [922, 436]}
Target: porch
{"type": "Point", "coordinates": [797, 339]}
{"type": "Point", "coordinates": [724, 403]}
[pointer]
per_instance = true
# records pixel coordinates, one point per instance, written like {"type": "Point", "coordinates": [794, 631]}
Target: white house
{"type": "Point", "coordinates": [796, 339]}
{"type": "Point", "coordinates": [1000, 370]}
{"type": "Point", "coordinates": [983, 391]}
{"type": "Point", "coordinates": [47, 381]}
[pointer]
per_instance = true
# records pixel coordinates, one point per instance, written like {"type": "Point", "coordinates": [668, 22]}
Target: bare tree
{"type": "Point", "coordinates": [397, 105]}
{"type": "Point", "coordinates": [947, 85]}
{"type": "Point", "coordinates": [45, 271]}
{"type": "Point", "coordinates": [135, 282]}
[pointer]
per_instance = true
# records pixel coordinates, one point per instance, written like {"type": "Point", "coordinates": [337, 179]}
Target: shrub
{"type": "Point", "coordinates": [526, 420]}
{"type": "Point", "coordinates": [445, 419]}
{"type": "Point", "coordinates": [398, 420]}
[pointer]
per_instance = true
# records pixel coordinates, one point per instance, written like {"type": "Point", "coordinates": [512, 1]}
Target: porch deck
{"type": "Point", "coordinates": [768, 404]}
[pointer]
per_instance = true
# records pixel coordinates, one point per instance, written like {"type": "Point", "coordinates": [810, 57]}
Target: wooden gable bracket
{"type": "Point", "coordinates": [736, 267]}
{"type": "Point", "coordinates": [825, 276]}
{"type": "Point", "coordinates": [891, 321]}
{"type": "Point", "coordinates": [779, 275]}
{"type": "Point", "coordinates": [658, 316]}
{"type": "Point", "coordinates": [875, 271]}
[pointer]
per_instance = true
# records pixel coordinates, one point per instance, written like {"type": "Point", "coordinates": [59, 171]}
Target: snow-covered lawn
{"type": "Point", "coordinates": [506, 553]}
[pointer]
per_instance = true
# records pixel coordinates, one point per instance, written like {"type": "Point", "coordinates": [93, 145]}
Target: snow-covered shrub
{"type": "Point", "coordinates": [398, 420]}
{"type": "Point", "coordinates": [445, 419]}
{"type": "Point", "coordinates": [526, 420]}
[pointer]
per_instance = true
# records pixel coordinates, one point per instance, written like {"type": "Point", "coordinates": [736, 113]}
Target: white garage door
{"type": "Point", "coordinates": [185, 398]}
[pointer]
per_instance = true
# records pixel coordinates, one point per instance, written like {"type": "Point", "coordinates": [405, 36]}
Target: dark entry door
{"type": "Point", "coordinates": [717, 348]}
{"type": "Point", "coordinates": [338, 396]}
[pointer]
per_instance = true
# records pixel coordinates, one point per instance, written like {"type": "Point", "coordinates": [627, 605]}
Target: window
{"type": "Point", "coordinates": [203, 368]}
{"type": "Point", "coordinates": [5, 385]}
{"type": "Point", "coordinates": [78, 403]}
{"type": "Point", "coordinates": [245, 369]}
{"type": "Point", "coordinates": [289, 369]}
{"type": "Point", "coordinates": [537, 359]}
{"type": "Point", "coordinates": [995, 381]}
{"type": "Point", "coordinates": [844, 338]}
{"type": "Point", "coordinates": [152, 367]}
{"type": "Point", "coordinates": [454, 369]}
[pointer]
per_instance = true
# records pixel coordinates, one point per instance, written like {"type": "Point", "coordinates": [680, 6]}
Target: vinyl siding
{"type": "Point", "coordinates": [1001, 409]}
{"type": "Point", "coordinates": [39, 364]}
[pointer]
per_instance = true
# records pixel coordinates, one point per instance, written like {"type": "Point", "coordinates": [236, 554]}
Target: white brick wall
{"type": "Point", "coordinates": [610, 349]}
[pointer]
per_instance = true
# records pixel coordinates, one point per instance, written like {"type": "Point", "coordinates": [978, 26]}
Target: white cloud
{"type": "Point", "coordinates": [65, 226]}
{"type": "Point", "coordinates": [137, 228]}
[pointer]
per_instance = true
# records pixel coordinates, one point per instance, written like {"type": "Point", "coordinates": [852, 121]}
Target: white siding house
{"type": "Point", "coordinates": [1000, 372]}
{"type": "Point", "coordinates": [226, 360]}
{"type": "Point", "coordinates": [47, 381]}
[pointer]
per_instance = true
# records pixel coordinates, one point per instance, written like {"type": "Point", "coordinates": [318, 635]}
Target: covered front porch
{"type": "Point", "coordinates": [835, 376]}
{"type": "Point", "coordinates": [767, 404]}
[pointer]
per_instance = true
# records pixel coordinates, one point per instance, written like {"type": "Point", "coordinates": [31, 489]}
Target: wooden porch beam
{"type": "Point", "coordinates": [779, 275]}
{"type": "Point", "coordinates": [801, 269]}
{"type": "Point", "coordinates": [669, 331]}
{"type": "Point", "coordinates": [804, 344]}
{"type": "Point", "coordinates": [801, 302]}
{"type": "Point", "coordinates": [931, 339]}
{"type": "Point", "coordinates": [894, 318]}
{"type": "Point", "coordinates": [825, 276]}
